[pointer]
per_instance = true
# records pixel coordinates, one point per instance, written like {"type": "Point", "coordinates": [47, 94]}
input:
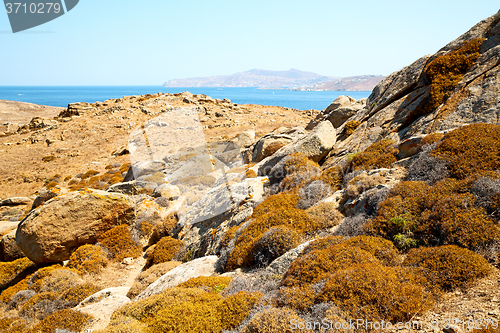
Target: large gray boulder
{"type": "Point", "coordinates": [216, 207]}
{"type": "Point", "coordinates": [8, 247]}
{"type": "Point", "coordinates": [204, 266]}
{"type": "Point", "coordinates": [51, 232]}
{"type": "Point", "coordinates": [315, 145]}
{"type": "Point", "coordinates": [13, 209]}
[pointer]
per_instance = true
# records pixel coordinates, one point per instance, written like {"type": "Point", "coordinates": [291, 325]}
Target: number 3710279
{"type": "Point", "coordinates": [33, 8]}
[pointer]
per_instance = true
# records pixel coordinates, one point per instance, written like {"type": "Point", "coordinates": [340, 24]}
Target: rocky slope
{"type": "Point", "coordinates": [385, 209]}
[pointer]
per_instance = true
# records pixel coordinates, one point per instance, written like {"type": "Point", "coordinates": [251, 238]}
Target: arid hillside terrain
{"type": "Point", "coordinates": [61, 146]}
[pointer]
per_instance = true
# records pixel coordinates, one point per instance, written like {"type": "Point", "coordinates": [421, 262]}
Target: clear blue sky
{"type": "Point", "coordinates": [118, 42]}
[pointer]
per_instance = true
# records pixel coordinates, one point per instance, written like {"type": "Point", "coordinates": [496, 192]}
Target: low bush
{"type": "Point", "coordinates": [67, 319]}
{"type": "Point", "coordinates": [88, 259]}
{"type": "Point", "coordinates": [89, 174]}
{"type": "Point", "coordinates": [119, 242]}
{"type": "Point", "coordinates": [144, 279]}
{"type": "Point", "coordinates": [293, 169]}
{"type": "Point", "coordinates": [273, 243]}
{"type": "Point", "coordinates": [325, 214]}
{"type": "Point", "coordinates": [470, 150]}
{"type": "Point", "coordinates": [439, 215]}
{"type": "Point", "coordinates": [486, 192]}
{"type": "Point", "coordinates": [448, 267]}
{"type": "Point", "coordinates": [297, 298]}
{"type": "Point", "coordinates": [59, 281]}
{"type": "Point", "coordinates": [76, 294]}
{"type": "Point", "coordinates": [381, 248]}
{"type": "Point", "coordinates": [323, 243]}
{"type": "Point", "coordinates": [7, 294]}
{"type": "Point", "coordinates": [163, 229]}
{"type": "Point", "coordinates": [35, 281]}
{"type": "Point", "coordinates": [207, 283]}
{"type": "Point", "coordinates": [189, 310]}
{"type": "Point", "coordinates": [277, 210]}
{"type": "Point", "coordinates": [275, 320]}
{"type": "Point", "coordinates": [380, 154]}
{"type": "Point", "coordinates": [29, 309]}
{"type": "Point", "coordinates": [10, 271]}
{"type": "Point", "coordinates": [235, 308]}
{"type": "Point", "coordinates": [312, 193]}
{"type": "Point", "coordinates": [165, 250]}
{"type": "Point", "coordinates": [377, 292]}
{"type": "Point", "coordinates": [350, 127]}
{"type": "Point", "coordinates": [427, 168]}
{"type": "Point", "coordinates": [320, 264]}
{"type": "Point", "coordinates": [352, 226]}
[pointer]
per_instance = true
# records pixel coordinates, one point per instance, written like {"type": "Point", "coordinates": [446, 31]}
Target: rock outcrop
{"type": "Point", "coordinates": [51, 232]}
{"type": "Point", "coordinates": [413, 102]}
{"type": "Point", "coordinates": [315, 145]}
{"type": "Point", "coordinates": [199, 267]}
{"type": "Point", "coordinates": [13, 209]}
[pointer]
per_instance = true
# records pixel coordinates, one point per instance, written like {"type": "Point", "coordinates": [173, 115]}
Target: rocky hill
{"type": "Point", "coordinates": [258, 78]}
{"type": "Point", "coordinates": [383, 211]}
{"type": "Point", "coordinates": [353, 83]}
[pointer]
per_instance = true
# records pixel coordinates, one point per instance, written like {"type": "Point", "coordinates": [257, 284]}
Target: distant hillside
{"type": "Point", "coordinates": [353, 83]}
{"type": "Point", "coordinates": [292, 78]}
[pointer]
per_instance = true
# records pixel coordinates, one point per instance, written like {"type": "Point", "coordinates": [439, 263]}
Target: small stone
{"type": "Point", "coordinates": [128, 261]}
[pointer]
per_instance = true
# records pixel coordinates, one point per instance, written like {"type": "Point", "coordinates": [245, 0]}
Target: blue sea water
{"type": "Point", "coordinates": [63, 95]}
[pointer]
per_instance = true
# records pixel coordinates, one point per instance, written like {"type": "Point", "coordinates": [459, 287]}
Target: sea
{"type": "Point", "coordinates": [63, 95]}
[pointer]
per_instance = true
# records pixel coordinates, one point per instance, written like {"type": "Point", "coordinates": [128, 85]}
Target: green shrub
{"type": "Point", "coordinates": [89, 259]}
{"type": "Point", "coordinates": [377, 292]}
{"type": "Point", "coordinates": [433, 215]}
{"type": "Point", "coordinates": [471, 150]}
{"type": "Point", "coordinates": [380, 154]}
{"type": "Point", "coordinates": [119, 243]}
{"type": "Point", "coordinates": [164, 250]}
{"type": "Point", "coordinates": [448, 267]}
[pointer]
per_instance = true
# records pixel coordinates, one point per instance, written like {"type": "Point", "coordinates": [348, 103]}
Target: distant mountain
{"type": "Point", "coordinates": [292, 79]}
{"type": "Point", "coordinates": [353, 83]}
{"type": "Point", "coordinates": [261, 78]}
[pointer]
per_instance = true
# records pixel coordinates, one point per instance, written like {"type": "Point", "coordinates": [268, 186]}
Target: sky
{"type": "Point", "coordinates": [117, 42]}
